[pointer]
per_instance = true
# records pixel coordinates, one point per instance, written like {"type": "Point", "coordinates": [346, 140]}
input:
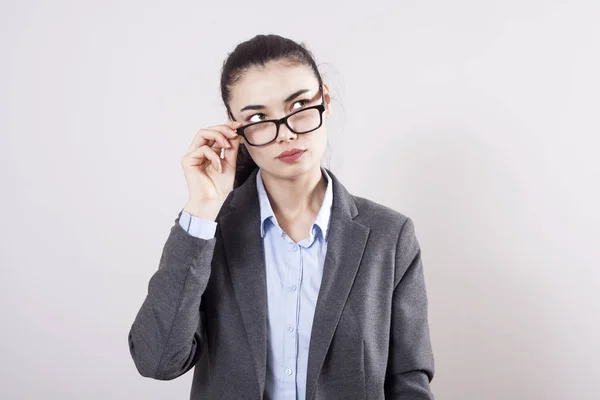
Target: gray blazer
{"type": "Point", "coordinates": [206, 307]}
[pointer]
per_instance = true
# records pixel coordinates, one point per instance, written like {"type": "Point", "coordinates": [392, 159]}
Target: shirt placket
{"type": "Point", "coordinates": [291, 300]}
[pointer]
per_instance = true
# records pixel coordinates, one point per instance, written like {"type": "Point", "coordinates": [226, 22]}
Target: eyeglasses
{"type": "Point", "coordinates": [302, 121]}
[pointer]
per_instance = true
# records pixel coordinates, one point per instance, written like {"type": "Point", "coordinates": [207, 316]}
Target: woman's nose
{"type": "Point", "coordinates": [285, 133]}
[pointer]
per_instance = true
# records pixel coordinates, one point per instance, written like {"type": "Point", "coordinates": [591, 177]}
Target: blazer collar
{"type": "Point", "coordinates": [240, 226]}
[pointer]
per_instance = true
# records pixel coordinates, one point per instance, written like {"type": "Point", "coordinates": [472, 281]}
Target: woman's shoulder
{"type": "Point", "coordinates": [374, 214]}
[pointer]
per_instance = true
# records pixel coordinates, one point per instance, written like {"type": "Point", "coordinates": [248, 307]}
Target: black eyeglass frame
{"type": "Point", "coordinates": [284, 120]}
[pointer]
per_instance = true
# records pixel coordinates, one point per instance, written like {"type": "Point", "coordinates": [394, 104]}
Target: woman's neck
{"type": "Point", "coordinates": [293, 198]}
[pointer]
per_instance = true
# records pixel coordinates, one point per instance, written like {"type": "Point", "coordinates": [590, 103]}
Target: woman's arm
{"type": "Point", "coordinates": [410, 363]}
{"type": "Point", "coordinates": [165, 338]}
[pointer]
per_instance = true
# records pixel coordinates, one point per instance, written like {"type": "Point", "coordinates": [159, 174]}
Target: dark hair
{"type": "Point", "coordinates": [258, 51]}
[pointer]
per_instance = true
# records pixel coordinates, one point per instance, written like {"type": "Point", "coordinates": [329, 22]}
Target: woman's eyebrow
{"type": "Point", "coordinates": [287, 100]}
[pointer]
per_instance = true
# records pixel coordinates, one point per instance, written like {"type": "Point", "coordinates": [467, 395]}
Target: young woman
{"type": "Point", "coordinates": [275, 282]}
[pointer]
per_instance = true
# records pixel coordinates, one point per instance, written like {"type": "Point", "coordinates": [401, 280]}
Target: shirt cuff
{"type": "Point", "coordinates": [198, 227]}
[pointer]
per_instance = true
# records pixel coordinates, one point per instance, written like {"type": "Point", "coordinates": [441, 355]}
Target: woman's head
{"type": "Point", "coordinates": [270, 77]}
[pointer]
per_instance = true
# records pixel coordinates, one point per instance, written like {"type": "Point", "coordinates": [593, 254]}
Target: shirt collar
{"type": "Point", "coordinates": [266, 211]}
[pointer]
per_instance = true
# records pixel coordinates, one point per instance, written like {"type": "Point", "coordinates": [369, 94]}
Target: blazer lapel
{"type": "Point", "coordinates": [246, 262]}
{"type": "Point", "coordinates": [346, 241]}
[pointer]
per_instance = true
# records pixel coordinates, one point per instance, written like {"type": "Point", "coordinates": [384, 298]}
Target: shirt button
{"type": "Point", "coordinates": [292, 288]}
{"type": "Point", "coordinates": [290, 328]}
{"type": "Point", "coordinates": [288, 372]}
{"type": "Point", "coordinates": [293, 247]}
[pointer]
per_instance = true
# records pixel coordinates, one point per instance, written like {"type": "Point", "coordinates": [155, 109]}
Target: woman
{"type": "Point", "coordinates": [275, 282]}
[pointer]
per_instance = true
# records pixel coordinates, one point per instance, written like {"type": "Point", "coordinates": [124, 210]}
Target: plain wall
{"type": "Point", "coordinates": [479, 120]}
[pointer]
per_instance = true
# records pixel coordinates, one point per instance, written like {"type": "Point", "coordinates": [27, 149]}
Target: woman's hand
{"type": "Point", "coordinates": [210, 178]}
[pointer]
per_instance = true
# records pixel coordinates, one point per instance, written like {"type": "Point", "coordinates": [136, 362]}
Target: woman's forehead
{"type": "Point", "coordinates": [272, 84]}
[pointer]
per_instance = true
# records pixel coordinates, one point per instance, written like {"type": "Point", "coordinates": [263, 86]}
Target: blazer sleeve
{"type": "Point", "coordinates": [410, 366]}
{"type": "Point", "coordinates": [165, 340]}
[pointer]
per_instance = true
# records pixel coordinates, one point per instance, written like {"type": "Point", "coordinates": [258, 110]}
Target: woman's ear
{"type": "Point", "coordinates": [327, 97]}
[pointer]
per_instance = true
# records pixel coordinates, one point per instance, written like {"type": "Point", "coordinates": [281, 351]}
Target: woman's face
{"type": "Point", "coordinates": [268, 90]}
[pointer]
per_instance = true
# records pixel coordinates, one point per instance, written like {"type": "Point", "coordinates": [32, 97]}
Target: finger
{"type": "Point", "coordinates": [201, 155]}
{"type": "Point", "coordinates": [232, 153]}
{"type": "Point", "coordinates": [233, 124]}
{"type": "Point", "coordinates": [227, 129]}
{"type": "Point", "coordinates": [199, 140]}
{"type": "Point", "coordinates": [207, 136]}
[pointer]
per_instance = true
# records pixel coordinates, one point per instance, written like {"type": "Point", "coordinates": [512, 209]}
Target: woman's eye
{"type": "Point", "coordinates": [257, 117]}
{"type": "Point", "coordinates": [301, 102]}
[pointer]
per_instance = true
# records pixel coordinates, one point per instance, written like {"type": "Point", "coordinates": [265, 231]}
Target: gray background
{"type": "Point", "coordinates": [478, 119]}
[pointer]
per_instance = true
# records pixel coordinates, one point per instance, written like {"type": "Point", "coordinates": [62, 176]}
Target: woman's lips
{"type": "Point", "coordinates": [291, 156]}
{"type": "Point", "coordinates": [289, 152]}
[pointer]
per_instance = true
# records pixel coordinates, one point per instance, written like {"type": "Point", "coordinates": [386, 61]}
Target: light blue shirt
{"type": "Point", "coordinates": [294, 272]}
